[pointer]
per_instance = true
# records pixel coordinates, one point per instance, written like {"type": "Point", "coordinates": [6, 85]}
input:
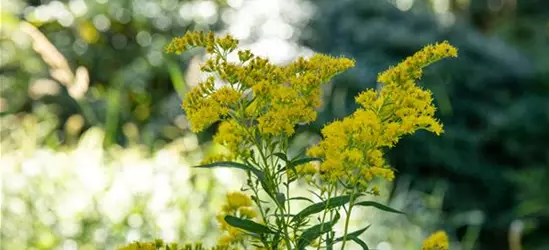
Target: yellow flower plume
{"type": "Point", "coordinates": [352, 148]}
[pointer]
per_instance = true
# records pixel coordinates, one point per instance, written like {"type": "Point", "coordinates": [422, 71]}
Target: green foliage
{"type": "Point", "coordinates": [130, 82]}
{"type": "Point", "coordinates": [96, 198]}
{"type": "Point", "coordinates": [331, 203]}
{"type": "Point", "coordinates": [312, 233]}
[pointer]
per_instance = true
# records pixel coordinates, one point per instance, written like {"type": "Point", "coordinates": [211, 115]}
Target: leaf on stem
{"type": "Point", "coordinates": [282, 156]}
{"type": "Point", "coordinates": [302, 199]}
{"type": "Point", "coordinates": [361, 243]}
{"type": "Point", "coordinates": [378, 206]}
{"type": "Point", "coordinates": [247, 225]}
{"type": "Point", "coordinates": [354, 234]}
{"type": "Point", "coordinates": [310, 234]}
{"type": "Point", "coordinates": [321, 206]}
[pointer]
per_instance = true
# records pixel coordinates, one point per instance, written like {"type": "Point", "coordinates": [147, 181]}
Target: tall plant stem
{"type": "Point", "coordinates": [351, 203]}
{"type": "Point", "coordinates": [324, 214]}
{"type": "Point", "coordinates": [281, 207]}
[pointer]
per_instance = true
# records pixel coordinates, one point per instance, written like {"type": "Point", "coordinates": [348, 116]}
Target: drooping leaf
{"type": "Point", "coordinates": [320, 206]}
{"type": "Point", "coordinates": [247, 225]}
{"type": "Point", "coordinates": [378, 206]}
{"type": "Point", "coordinates": [302, 198]}
{"type": "Point", "coordinates": [176, 77]}
{"type": "Point", "coordinates": [281, 156]}
{"type": "Point", "coordinates": [361, 243]}
{"type": "Point", "coordinates": [356, 233]}
{"type": "Point", "coordinates": [310, 234]}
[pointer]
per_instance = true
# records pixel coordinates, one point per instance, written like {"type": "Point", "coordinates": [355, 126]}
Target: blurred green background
{"type": "Point", "coordinates": [95, 150]}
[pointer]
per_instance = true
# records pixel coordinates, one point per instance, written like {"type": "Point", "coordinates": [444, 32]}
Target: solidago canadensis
{"type": "Point", "coordinates": [259, 104]}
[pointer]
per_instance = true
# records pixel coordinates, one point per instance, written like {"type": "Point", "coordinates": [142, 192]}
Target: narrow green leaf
{"type": "Point", "coordinates": [281, 198]}
{"type": "Point", "coordinates": [361, 243]}
{"type": "Point", "coordinates": [378, 206]}
{"type": "Point", "coordinates": [247, 225]}
{"type": "Point", "coordinates": [302, 198]}
{"type": "Point", "coordinates": [281, 156]}
{"type": "Point", "coordinates": [176, 77]}
{"type": "Point", "coordinates": [300, 154]}
{"type": "Point", "coordinates": [310, 234]}
{"type": "Point", "coordinates": [356, 233]}
{"type": "Point", "coordinates": [319, 207]}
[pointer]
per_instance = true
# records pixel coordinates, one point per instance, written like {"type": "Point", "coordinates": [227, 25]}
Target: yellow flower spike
{"type": "Point", "coordinates": [399, 108]}
{"type": "Point", "coordinates": [436, 241]}
{"type": "Point", "coordinates": [411, 68]}
{"type": "Point", "coordinates": [225, 240]}
{"type": "Point", "coordinates": [233, 136]}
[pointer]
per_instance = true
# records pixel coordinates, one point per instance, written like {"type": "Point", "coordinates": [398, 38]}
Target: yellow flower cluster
{"type": "Point", "coordinates": [234, 137]}
{"type": "Point", "coordinates": [352, 148]}
{"type": "Point", "coordinates": [240, 205]}
{"type": "Point", "coordinates": [201, 39]}
{"type": "Point", "coordinates": [436, 241]}
{"type": "Point", "coordinates": [258, 98]}
{"type": "Point", "coordinates": [205, 105]}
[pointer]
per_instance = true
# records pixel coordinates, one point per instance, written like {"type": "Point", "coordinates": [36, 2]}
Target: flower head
{"type": "Point", "coordinates": [436, 241]}
{"type": "Point", "coordinates": [258, 98]}
{"type": "Point", "coordinates": [240, 205]}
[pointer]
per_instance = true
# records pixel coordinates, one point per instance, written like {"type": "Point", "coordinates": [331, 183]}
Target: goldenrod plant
{"type": "Point", "coordinates": [259, 105]}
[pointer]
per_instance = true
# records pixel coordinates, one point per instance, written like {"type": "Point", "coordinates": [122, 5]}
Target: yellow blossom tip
{"type": "Point", "coordinates": [436, 241]}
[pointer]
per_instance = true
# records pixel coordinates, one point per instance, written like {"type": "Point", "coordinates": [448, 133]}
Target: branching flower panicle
{"type": "Point", "coordinates": [352, 148]}
{"type": "Point", "coordinates": [259, 104]}
{"type": "Point", "coordinates": [259, 97]}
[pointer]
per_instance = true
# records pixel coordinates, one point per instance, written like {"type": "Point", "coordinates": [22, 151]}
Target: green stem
{"type": "Point", "coordinates": [281, 207]}
{"type": "Point", "coordinates": [324, 215]}
{"type": "Point", "coordinates": [351, 203]}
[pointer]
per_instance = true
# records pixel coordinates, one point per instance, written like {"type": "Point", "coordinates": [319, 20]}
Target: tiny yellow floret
{"type": "Point", "coordinates": [436, 241]}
